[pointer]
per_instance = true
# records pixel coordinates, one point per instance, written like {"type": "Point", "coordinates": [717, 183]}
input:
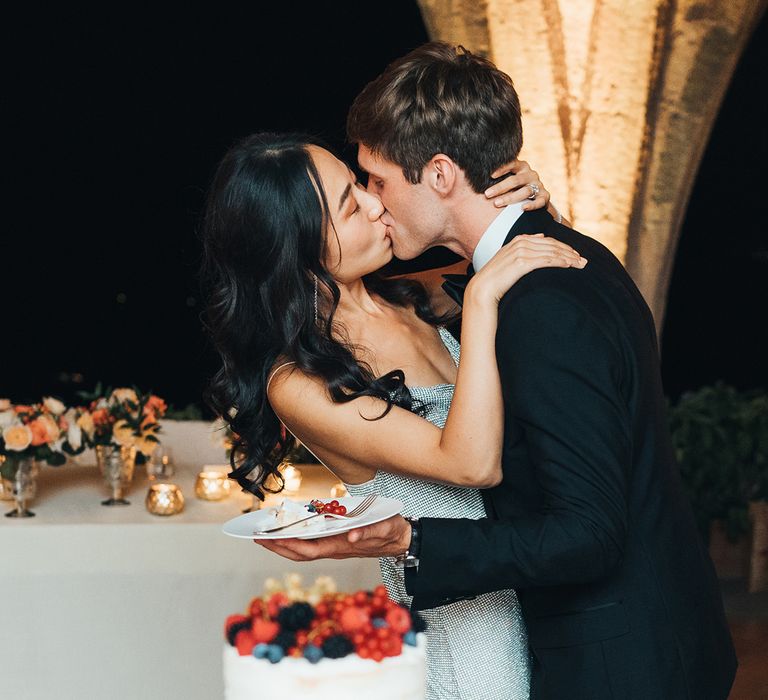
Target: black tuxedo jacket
{"type": "Point", "coordinates": [590, 524]}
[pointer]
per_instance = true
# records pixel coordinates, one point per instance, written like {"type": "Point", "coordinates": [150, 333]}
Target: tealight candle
{"type": "Point", "coordinates": [212, 485]}
{"type": "Point", "coordinates": [338, 490]}
{"type": "Point", "coordinates": [291, 478]}
{"type": "Point", "coordinates": [164, 499]}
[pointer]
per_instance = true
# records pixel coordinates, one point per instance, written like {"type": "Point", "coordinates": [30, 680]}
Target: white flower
{"type": "Point", "coordinates": [54, 405]}
{"type": "Point", "coordinates": [7, 418]}
{"type": "Point", "coordinates": [74, 435]}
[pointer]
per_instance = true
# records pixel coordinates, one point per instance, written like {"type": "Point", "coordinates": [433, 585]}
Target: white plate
{"type": "Point", "coordinates": [245, 526]}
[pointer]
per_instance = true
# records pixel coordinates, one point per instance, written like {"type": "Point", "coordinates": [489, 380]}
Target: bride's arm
{"type": "Point", "coordinates": [467, 451]}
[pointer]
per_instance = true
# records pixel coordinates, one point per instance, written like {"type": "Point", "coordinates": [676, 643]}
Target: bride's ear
{"type": "Point", "coordinates": [441, 174]}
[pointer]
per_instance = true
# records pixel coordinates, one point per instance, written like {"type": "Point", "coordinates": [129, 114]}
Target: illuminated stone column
{"type": "Point", "coordinates": [618, 99]}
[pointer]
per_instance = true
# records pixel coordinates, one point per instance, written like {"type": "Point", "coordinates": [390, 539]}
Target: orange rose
{"type": "Point", "coordinates": [17, 437]}
{"type": "Point", "coordinates": [44, 429]}
{"type": "Point", "coordinates": [100, 416]}
{"type": "Point", "coordinates": [156, 405]}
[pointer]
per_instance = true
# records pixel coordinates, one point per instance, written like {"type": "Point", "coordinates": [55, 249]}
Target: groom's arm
{"type": "Point", "coordinates": [561, 376]}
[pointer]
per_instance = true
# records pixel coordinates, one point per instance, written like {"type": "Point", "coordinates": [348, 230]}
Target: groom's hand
{"type": "Point", "coordinates": [389, 538]}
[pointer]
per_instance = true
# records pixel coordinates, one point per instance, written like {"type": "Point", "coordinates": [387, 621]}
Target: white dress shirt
{"type": "Point", "coordinates": [491, 241]}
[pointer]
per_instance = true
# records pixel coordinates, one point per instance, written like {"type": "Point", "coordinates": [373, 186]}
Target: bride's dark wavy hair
{"type": "Point", "coordinates": [263, 235]}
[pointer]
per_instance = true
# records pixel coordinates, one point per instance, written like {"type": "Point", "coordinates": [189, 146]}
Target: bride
{"type": "Point", "coordinates": [362, 370]}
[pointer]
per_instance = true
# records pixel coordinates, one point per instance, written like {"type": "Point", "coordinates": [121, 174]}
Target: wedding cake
{"type": "Point", "coordinates": [297, 644]}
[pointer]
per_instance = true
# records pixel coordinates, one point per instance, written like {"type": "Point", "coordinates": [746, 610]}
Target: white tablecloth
{"type": "Point", "coordinates": [116, 603]}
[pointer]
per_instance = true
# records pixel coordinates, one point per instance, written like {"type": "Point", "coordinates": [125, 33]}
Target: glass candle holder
{"type": "Point", "coordinates": [160, 466]}
{"type": "Point", "coordinates": [212, 485]}
{"type": "Point", "coordinates": [338, 490]}
{"type": "Point", "coordinates": [164, 499]}
{"type": "Point", "coordinates": [291, 478]}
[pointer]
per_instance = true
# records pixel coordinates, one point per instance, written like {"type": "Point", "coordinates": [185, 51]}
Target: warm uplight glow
{"type": "Point", "coordinates": [618, 101]}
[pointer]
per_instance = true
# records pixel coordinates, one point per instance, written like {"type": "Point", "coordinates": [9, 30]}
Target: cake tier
{"type": "Point", "coordinates": [395, 678]}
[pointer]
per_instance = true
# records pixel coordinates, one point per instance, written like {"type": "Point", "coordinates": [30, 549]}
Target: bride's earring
{"type": "Point", "coordinates": [314, 276]}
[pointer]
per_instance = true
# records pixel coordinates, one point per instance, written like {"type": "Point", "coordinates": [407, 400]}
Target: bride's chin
{"type": "Point", "coordinates": [384, 260]}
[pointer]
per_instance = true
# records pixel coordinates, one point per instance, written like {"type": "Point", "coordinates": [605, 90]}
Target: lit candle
{"type": "Point", "coordinates": [212, 485]}
{"type": "Point", "coordinates": [338, 490]}
{"type": "Point", "coordinates": [164, 499]}
{"type": "Point", "coordinates": [291, 477]}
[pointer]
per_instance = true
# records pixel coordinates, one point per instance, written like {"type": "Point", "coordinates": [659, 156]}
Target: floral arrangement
{"type": "Point", "coordinates": [123, 417]}
{"type": "Point", "coordinates": [45, 432]}
{"type": "Point", "coordinates": [320, 623]}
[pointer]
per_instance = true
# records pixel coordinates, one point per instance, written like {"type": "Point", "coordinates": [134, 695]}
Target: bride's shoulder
{"type": "Point", "coordinates": [287, 380]}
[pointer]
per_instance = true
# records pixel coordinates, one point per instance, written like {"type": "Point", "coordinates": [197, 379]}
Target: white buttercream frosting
{"type": "Point", "coordinates": [395, 678]}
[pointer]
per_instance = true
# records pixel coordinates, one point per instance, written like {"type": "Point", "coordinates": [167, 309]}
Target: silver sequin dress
{"type": "Point", "coordinates": [476, 649]}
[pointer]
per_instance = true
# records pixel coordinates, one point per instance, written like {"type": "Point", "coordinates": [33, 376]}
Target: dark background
{"type": "Point", "coordinates": [117, 116]}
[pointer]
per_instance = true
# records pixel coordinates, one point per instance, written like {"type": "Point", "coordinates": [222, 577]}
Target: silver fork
{"type": "Point", "coordinates": [358, 510]}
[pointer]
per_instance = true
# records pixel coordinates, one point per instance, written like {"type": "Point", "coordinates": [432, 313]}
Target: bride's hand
{"type": "Point", "coordinates": [519, 257]}
{"type": "Point", "coordinates": [518, 187]}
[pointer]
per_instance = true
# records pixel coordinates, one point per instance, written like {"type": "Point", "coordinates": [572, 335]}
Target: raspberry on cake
{"type": "Point", "coordinates": [295, 643]}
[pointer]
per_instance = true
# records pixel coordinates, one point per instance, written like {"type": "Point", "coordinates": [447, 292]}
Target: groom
{"type": "Point", "coordinates": [590, 524]}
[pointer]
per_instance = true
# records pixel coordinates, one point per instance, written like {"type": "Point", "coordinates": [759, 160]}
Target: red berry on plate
{"type": "Point", "coordinates": [361, 597]}
{"type": "Point", "coordinates": [334, 504]}
{"type": "Point", "coordinates": [380, 591]}
{"type": "Point", "coordinates": [341, 510]}
{"type": "Point", "coordinates": [363, 652]}
{"type": "Point", "coordinates": [377, 655]}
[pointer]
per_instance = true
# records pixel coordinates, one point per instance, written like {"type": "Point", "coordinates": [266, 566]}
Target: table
{"type": "Point", "coordinates": [117, 603]}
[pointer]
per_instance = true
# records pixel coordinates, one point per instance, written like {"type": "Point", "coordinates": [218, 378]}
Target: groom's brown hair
{"type": "Point", "coordinates": [440, 98]}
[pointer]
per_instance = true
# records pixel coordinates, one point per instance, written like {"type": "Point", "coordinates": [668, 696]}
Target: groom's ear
{"type": "Point", "coordinates": [441, 174]}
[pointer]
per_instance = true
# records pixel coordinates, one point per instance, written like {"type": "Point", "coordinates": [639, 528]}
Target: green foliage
{"type": "Point", "coordinates": [720, 437]}
{"type": "Point", "coordinates": [8, 469]}
{"type": "Point", "coordinates": [190, 412]}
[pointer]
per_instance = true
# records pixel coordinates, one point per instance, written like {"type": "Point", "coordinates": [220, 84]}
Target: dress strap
{"type": "Point", "coordinates": [275, 371]}
{"type": "Point", "coordinates": [269, 381]}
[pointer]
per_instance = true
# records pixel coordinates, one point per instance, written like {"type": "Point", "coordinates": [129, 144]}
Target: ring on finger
{"type": "Point", "coordinates": [535, 189]}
